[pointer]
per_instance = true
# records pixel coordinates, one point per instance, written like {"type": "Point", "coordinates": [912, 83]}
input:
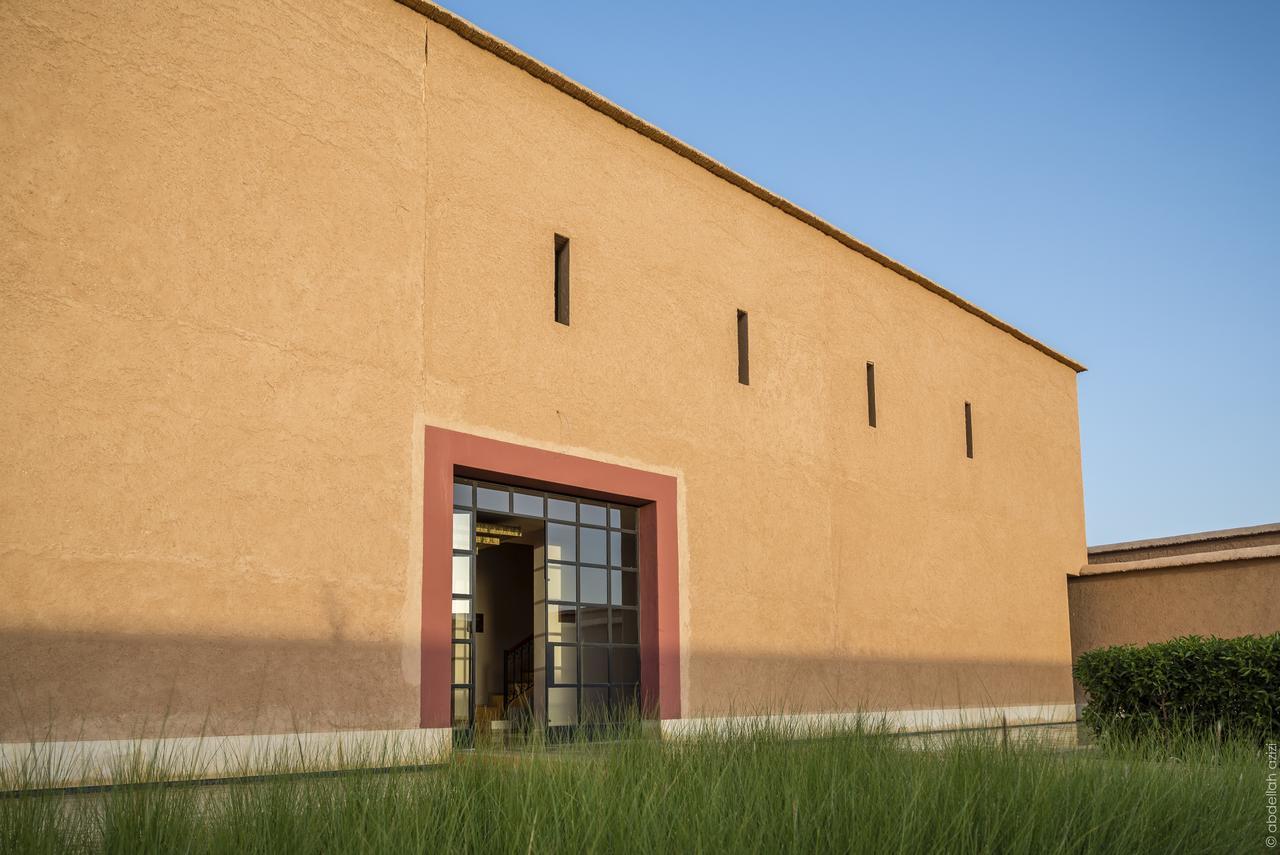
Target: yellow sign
{"type": "Point", "coordinates": [497, 531]}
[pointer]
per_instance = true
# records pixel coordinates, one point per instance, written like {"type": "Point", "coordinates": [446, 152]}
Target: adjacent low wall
{"type": "Point", "coordinates": [1223, 583]}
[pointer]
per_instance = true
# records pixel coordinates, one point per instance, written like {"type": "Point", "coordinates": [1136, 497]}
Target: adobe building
{"type": "Point", "coordinates": [363, 375]}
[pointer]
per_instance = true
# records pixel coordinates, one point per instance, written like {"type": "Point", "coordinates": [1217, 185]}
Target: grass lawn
{"type": "Point", "coordinates": [758, 790]}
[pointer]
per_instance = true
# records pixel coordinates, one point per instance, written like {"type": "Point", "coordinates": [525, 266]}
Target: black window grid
{"type": "Point", "coordinates": [618, 521]}
{"type": "Point", "coordinates": [463, 649]}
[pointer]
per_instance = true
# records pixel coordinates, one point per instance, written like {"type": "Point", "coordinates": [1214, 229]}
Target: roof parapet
{"type": "Point", "coordinates": [573, 89]}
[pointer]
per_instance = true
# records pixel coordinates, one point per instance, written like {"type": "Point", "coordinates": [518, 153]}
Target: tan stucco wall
{"type": "Point", "coordinates": [1226, 599]}
{"type": "Point", "coordinates": [249, 249]}
{"type": "Point", "coordinates": [211, 223]}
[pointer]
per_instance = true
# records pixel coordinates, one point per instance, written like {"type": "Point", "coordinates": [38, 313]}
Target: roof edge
{"type": "Point", "coordinates": [1174, 562]}
{"type": "Point", "coordinates": [1182, 539]}
{"type": "Point", "coordinates": [573, 89]}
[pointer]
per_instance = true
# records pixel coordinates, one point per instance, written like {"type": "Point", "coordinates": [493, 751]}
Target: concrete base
{"type": "Point", "coordinates": [900, 721]}
{"type": "Point", "coordinates": [96, 762]}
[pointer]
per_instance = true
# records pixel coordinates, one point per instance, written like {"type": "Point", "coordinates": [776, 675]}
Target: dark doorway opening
{"type": "Point", "coordinates": [504, 620]}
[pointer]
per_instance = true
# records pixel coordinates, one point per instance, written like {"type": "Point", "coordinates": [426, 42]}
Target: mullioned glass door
{"type": "Point", "coordinates": [585, 600]}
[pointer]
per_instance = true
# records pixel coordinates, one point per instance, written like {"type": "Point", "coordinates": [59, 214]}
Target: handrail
{"type": "Point", "coordinates": [517, 671]}
{"type": "Point", "coordinates": [521, 643]}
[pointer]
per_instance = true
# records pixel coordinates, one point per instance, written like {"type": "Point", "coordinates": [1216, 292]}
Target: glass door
{"type": "Point", "coordinates": [586, 621]}
{"type": "Point", "coordinates": [589, 589]}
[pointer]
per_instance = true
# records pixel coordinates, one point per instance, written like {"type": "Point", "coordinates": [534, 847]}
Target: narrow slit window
{"type": "Point", "coordinates": [744, 373]}
{"type": "Point", "coordinates": [562, 280]}
{"type": "Point", "coordinates": [871, 394]}
{"type": "Point", "coordinates": [968, 430]}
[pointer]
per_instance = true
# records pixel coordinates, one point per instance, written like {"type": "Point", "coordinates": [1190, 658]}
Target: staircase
{"type": "Point", "coordinates": [517, 675]}
{"type": "Point", "coordinates": [489, 719]}
{"type": "Point", "coordinates": [514, 706]}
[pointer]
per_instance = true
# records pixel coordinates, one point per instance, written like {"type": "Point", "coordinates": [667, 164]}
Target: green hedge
{"type": "Point", "coordinates": [1188, 686]}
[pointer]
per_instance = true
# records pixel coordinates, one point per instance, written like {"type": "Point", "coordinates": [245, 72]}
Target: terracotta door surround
{"type": "Point", "coordinates": [451, 454]}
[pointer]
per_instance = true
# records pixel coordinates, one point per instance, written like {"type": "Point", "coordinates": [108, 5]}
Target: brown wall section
{"type": "Point", "coordinates": [829, 564]}
{"type": "Point", "coordinates": [250, 249]}
{"type": "Point", "coordinates": [1224, 583]}
{"type": "Point", "coordinates": [1225, 599]}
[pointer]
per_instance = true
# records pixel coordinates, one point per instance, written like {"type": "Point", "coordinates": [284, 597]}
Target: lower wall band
{"type": "Point", "coordinates": [900, 721]}
{"type": "Point", "coordinates": [91, 762]}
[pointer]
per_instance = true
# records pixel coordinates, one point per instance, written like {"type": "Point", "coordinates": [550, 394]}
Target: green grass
{"type": "Point", "coordinates": [755, 790]}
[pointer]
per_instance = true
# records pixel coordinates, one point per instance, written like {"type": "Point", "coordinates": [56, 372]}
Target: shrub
{"type": "Point", "coordinates": [1227, 687]}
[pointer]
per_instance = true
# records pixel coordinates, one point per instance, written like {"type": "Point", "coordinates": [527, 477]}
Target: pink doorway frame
{"type": "Point", "coordinates": [451, 454]}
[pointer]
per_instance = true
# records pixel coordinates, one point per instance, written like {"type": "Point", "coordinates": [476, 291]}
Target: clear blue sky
{"type": "Point", "coordinates": [1104, 176]}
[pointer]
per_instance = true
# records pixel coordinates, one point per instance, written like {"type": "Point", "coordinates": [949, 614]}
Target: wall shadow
{"type": "Point", "coordinates": [67, 686]}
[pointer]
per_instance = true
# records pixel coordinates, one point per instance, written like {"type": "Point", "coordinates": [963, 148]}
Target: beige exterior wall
{"type": "Point", "coordinates": [212, 232]}
{"type": "Point", "coordinates": [250, 249]}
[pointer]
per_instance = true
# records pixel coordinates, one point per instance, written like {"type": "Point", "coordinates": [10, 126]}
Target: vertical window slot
{"type": "Point", "coordinates": [871, 394]}
{"type": "Point", "coordinates": [562, 280]}
{"type": "Point", "coordinates": [744, 373]}
{"type": "Point", "coordinates": [968, 430]}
